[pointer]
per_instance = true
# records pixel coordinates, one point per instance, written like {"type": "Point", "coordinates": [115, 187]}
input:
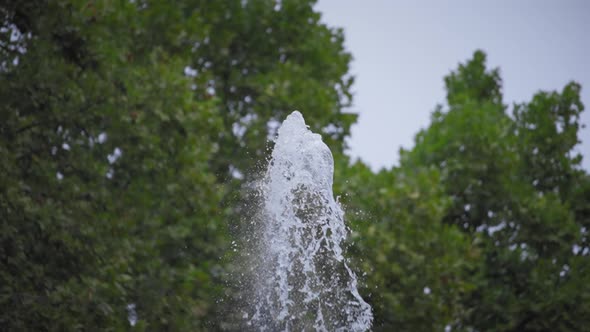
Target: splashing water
{"type": "Point", "coordinates": [302, 281]}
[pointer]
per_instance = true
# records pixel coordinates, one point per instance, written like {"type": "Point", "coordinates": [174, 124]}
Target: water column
{"type": "Point", "coordinates": [302, 281]}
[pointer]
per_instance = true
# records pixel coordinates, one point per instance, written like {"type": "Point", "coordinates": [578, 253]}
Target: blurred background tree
{"type": "Point", "coordinates": [128, 128]}
{"type": "Point", "coordinates": [518, 191]}
{"type": "Point", "coordinates": [109, 206]}
{"type": "Point", "coordinates": [122, 123]}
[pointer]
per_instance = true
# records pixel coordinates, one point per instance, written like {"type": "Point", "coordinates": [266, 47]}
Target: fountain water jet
{"type": "Point", "coordinates": [301, 280]}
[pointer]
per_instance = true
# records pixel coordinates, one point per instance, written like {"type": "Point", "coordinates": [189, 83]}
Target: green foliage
{"type": "Point", "coordinates": [473, 83]}
{"type": "Point", "coordinates": [511, 181]}
{"type": "Point", "coordinates": [126, 127]}
{"type": "Point", "coordinates": [266, 58]}
{"type": "Point", "coordinates": [415, 264]}
{"type": "Point", "coordinates": [113, 150]}
{"type": "Point", "coordinates": [548, 131]}
{"type": "Point", "coordinates": [107, 197]}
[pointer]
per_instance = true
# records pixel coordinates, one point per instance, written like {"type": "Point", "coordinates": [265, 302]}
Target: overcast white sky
{"type": "Point", "coordinates": [402, 50]}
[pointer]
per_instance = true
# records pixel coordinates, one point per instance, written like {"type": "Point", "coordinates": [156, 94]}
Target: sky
{"type": "Point", "coordinates": [403, 49]}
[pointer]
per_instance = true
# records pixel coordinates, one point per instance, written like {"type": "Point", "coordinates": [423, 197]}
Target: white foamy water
{"type": "Point", "coordinates": [302, 280]}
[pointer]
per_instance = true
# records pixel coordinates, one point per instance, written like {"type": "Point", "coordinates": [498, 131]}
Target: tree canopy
{"type": "Point", "coordinates": [128, 128]}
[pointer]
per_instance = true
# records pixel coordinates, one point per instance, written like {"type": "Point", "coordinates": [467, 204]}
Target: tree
{"type": "Point", "coordinates": [515, 183]}
{"type": "Point", "coordinates": [122, 122]}
{"type": "Point", "coordinates": [108, 208]}
{"type": "Point", "coordinates": [128, 128]}
{"type": "Point", "coordinates": [414, 265]}
{"type": "Point", "coordinates": [267, 59]}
